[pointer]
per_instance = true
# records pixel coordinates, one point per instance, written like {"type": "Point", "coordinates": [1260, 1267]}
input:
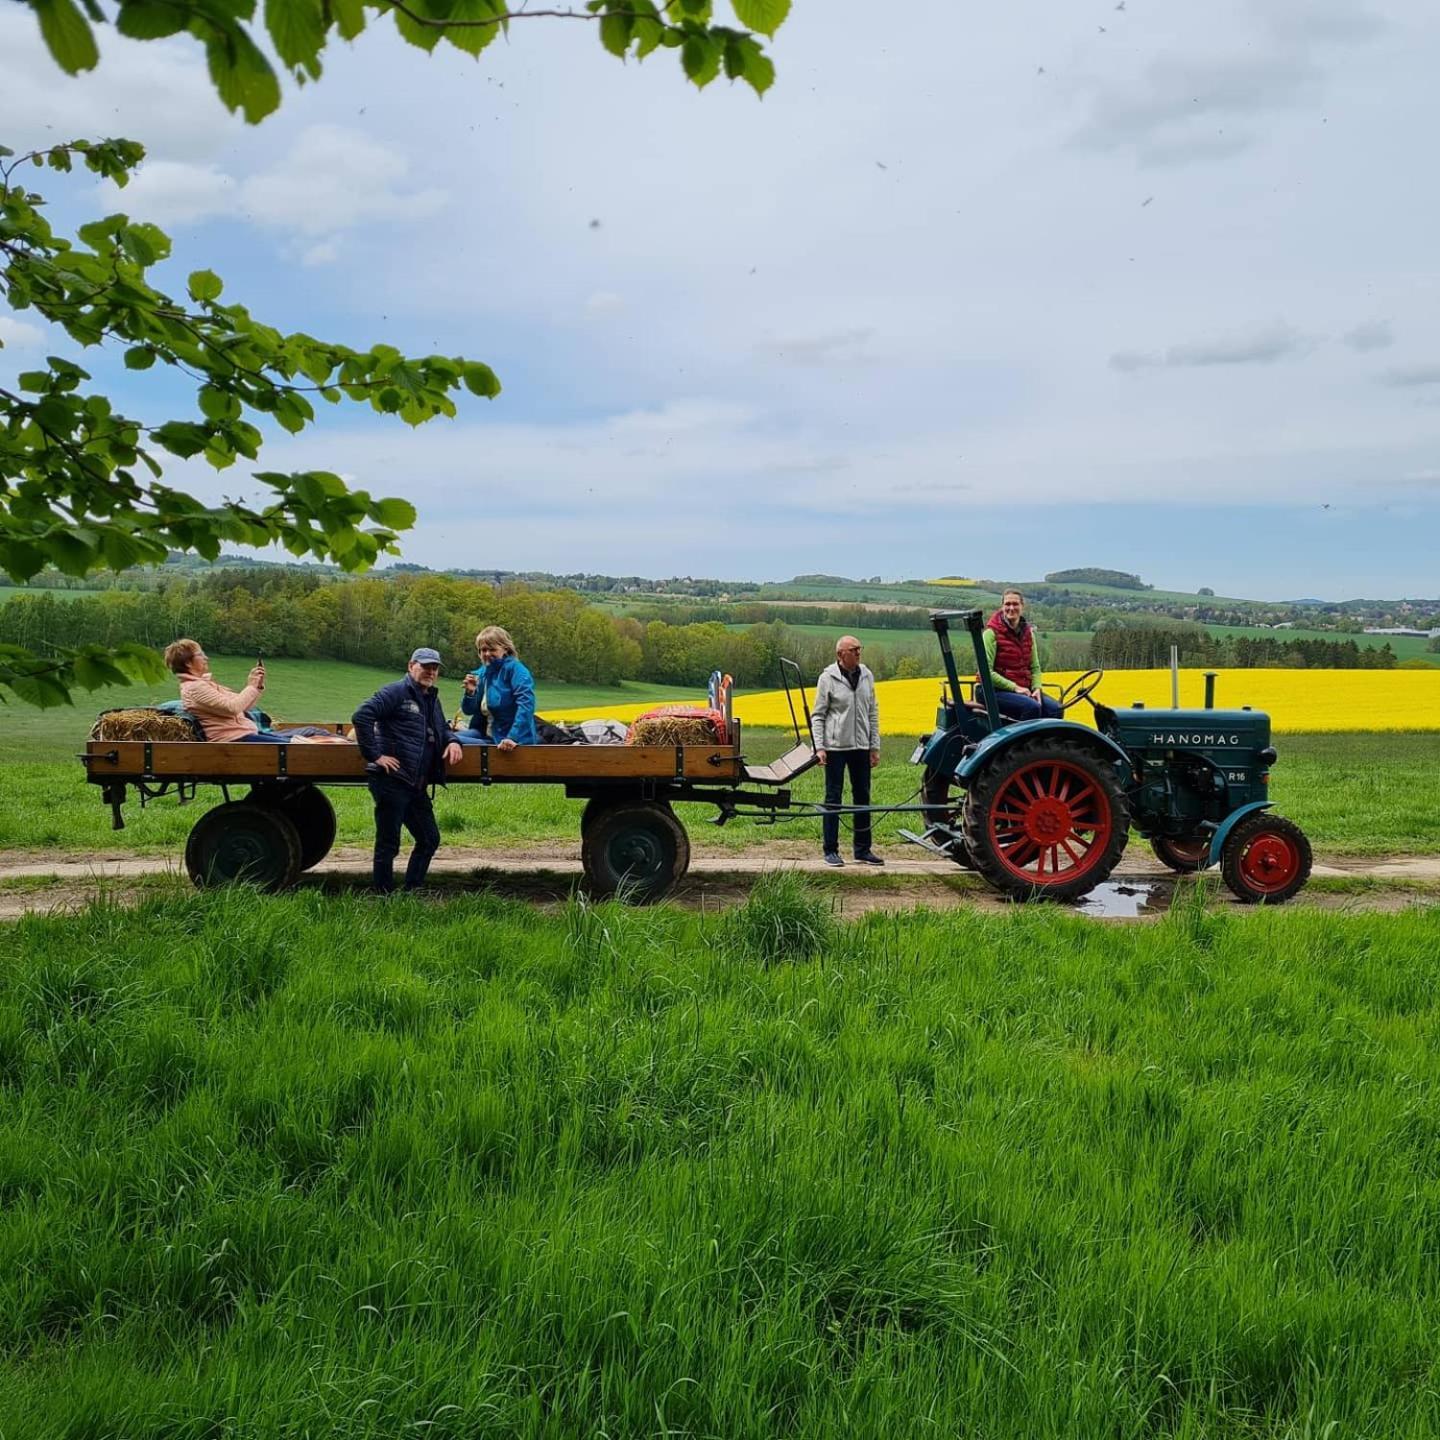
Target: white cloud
{"type": "Point", "coordinates": [327, 252]}
{"type": "Point", "coordinates": [20, 334]}
{"type": "Point", "coordinates": [604, 302]}
{"type": "Point", "coordinates": [1258, 348]}
{"type": "Point", "coordinates": [1372, 335]}
{"type": "Point", "coordinates": [332, 180]}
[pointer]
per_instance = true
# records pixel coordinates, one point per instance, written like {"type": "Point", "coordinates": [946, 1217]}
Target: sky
{"type": "Point", "coordinates": [974, 290]}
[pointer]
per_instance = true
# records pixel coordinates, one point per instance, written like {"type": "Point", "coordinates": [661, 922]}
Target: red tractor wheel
{"type": "Point", "coordinates": [1047, 820]}
{"type": "Point", "coordinates": [1266, 859]}
{"type": "Point", "coordinates": [1185, 856]}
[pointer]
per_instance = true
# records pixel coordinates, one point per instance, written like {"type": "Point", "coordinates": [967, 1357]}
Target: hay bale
{"type": "Point", "coordinates": [142, 724]}
{"type": "Point", "coordinates": [677, 725]}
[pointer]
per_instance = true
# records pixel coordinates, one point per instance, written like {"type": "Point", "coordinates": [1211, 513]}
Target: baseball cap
{"type": "Point", "coordinates": [425, 656]}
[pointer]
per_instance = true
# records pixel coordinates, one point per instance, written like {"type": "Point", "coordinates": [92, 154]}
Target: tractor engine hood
{"type": "Point", "coordinates": [1144, 729]}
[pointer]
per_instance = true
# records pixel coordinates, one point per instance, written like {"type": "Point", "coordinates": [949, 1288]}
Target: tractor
{"type": "Point", "coordinates": [1042, 809]}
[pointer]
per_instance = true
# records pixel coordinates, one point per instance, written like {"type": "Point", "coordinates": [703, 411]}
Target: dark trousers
{"type": "Point", "coordinates": [397, 804]}
{"type": "Point", "coordinates": [1015, 706]}
{"type": "Point", "coordinates": [837, 762]}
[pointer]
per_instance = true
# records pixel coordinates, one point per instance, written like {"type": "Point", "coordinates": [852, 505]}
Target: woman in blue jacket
{"type": "Point", "coordinates": [499, 695]}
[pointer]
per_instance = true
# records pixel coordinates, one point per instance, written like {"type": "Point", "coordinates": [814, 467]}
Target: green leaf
{"type": "Point", "coordinates": [349, 17]}
{"type": "Point", "coordinates": [43, 691]}
{"type": "Point", "coordinates": [472, 39]}
{"type": "Point", "coordinates": [94, 670]}
{"type": "Point", "coordinates": [616, 28]}
{"type": "Point", "coordinates": [205, 285]}
{"type": "Point", "coordinates": [766, 16]}
{"type": "Point", "coordinates": [242, 76]}
{"type": "Point", "coordinates": [68, 35]}
{"type": "Point", "coordinates": [649, 32]}
{"type": "Point", "coordinates": [427, 37]}
{"type": "Point", "coordinates": [745, 60]}
{"type": "Point", "coordinates": [181, 438]}
{"type": "Point", "coordinates": [701, 56]}
{"type": "Point", "coordinates": [139, 357]}
{"type": "Point", "coordinates": [480, 379]}
{"type": "Point", "coordinates": [396, 514]}
{"type": "Point", "coordinates": [37, 382]}
{"type": "Point", "coordinates": [218, 404]}
{"type": "Point", "coordinates": [148, 20]}
{"type": "Point", "coordinates": [298, 29]}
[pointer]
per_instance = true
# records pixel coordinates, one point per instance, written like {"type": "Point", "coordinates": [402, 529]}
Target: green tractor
{"type": "Point", "coordinates": [1043, 808]}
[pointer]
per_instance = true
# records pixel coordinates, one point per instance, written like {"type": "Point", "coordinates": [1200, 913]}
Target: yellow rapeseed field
{"type": "Point", "coordinates": [1298, 701]}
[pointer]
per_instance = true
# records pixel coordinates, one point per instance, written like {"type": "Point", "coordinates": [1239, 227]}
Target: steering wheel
{"type": "Point", "coordinates": [1081, 688]}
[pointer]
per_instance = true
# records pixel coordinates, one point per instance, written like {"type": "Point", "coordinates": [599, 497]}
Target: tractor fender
{"type": "Point", "coordinates": [942, 751]}
{"type": "Point", "coordinates": [1002, 739]}
{"type": "Point", "coordinates": [1222, 834]}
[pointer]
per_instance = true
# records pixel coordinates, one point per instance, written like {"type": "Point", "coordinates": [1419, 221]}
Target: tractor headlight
{"type": "Point", "coordinates": [1267, 756]}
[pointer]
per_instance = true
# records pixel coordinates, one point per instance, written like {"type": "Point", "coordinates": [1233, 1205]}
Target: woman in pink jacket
{"type": "Point", "coordinates": [220, 710]}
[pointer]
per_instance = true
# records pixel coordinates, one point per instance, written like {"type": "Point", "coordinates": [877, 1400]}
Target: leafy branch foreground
{"type": "Point", "coordinates": [82, 486]}
{"type": "Point", "coordinates": [300, 31]}
{"type": "Point", "coordinates": [306, 1166]}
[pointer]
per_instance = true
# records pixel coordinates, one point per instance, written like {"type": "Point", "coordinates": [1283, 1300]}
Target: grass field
{"type": "Point", "coordinates": [1405, 646]}
{"type": "Point", "coordinates": [9, 592]}
{"type": "Point", "coordinates": [325, 1167]}
{"type": "Point", "coordinates": [1353, 794]}
{"type": "Point", "coordinates": [295, 690]}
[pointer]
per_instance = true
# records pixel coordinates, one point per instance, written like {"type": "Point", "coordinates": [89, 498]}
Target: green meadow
{"type": "Point", "coordinates": [317, 1166]}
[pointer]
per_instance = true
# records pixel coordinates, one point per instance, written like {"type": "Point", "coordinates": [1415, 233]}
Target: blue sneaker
{"type": "Point", "coordinates": [831, 858]}
{"type": "Point", "coordinates": [869, 858]}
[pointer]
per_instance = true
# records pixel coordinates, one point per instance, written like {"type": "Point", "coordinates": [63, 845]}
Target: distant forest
{"type": "Point", "coordinates": [280, 611]}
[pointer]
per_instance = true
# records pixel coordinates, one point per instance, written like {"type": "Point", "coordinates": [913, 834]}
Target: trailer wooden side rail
{"type": "Point", "coordinates": [631, 838]}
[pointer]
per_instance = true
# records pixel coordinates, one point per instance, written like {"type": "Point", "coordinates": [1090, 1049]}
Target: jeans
{"type": "Point", "coordinates": [837, 762]}
{"type": "Point", "coordinates": [1015, 705]}
{"type": "Point", "coordinates": [397, 804]}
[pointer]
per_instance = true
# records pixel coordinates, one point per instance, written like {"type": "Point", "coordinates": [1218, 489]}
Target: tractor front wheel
{"type": "Point", "coordinates": [1266, 859]}
{"type": "Point", "coordinates": [1183, 856]}
{"type": "Point", "coordinates": [1046, 820]}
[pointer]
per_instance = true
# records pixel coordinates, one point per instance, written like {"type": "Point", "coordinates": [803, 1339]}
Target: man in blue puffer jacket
{"type": "Point", "coordinates": [499, 696]}
{"type": "Point", "coordinates": [402, 733]}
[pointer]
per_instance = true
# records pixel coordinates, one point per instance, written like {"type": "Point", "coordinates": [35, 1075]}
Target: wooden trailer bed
{"type": "Point", "coordinates": [631, 839]}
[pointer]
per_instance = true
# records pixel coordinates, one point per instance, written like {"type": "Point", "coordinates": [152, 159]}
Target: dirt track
{"type": "Point", "coordinates": [546, 874]}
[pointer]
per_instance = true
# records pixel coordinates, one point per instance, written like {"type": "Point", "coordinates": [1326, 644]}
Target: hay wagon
{"type": "Point", "coordinates": [282, 823]}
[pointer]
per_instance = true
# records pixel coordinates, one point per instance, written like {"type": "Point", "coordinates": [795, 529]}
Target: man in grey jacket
{"type": "Point", "coordinates": [845, 726]}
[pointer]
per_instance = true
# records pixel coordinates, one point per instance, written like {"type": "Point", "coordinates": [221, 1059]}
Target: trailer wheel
{"type": "Point", "coordinates": [242, 841]}
{"type": "Point", "coordinates": [1185, 856]}
{"type": "Point", "coordinates": [1046, 820]}
{"type": "Point", "coordinates": [1266, 859]}
{"type": "Point", "coordinates": [309, 810]}
{"type": "Point", "coordinates": [638, 848]}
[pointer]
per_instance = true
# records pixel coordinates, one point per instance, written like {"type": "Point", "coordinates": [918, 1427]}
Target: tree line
{"type": "Point", "coordinates": [1147, 647]}
{"type": "Point", "coordinates": [280, 614]}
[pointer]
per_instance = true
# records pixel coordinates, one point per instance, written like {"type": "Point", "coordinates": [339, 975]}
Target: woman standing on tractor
{"type": "Point", "coordinates": [1013, 650]}
{"type": "Point", "coordinates": [499, 694]}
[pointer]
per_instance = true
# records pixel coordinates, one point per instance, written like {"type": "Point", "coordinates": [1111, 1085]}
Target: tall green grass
{"type": "Point", "coordinates": [302, 1167]}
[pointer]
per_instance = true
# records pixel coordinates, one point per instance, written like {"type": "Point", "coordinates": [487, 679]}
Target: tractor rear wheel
{"type": "Point", "coordinates": [1266, 859]}
{"type": "Point", "coordinates": [1046, 820]}
{"type": "Point", "coordinates": [637, 848]}
{"type": "Point", "coordinates": [1184, 856]}
{"type": "Point", "coordinates": [309, 810]}
{"type": "Point", "coordinates": [243, 842]}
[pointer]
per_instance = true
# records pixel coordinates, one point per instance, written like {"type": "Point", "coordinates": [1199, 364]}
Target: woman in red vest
{"type": "Point", "coordinates": [1013, 649]}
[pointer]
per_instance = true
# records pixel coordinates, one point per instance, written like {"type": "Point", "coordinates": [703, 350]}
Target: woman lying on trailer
{"type": "Point", "coordinates": [221, 711]}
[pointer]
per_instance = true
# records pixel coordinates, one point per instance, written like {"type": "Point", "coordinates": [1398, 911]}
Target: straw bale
{"type": "Point", "coordinates": [142, 724]}
{"type": "Point", "coordinates": [695, 728]}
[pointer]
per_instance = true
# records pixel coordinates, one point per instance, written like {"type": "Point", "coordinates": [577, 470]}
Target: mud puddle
{"type": "Point", "coordinates": [1127, 899]}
